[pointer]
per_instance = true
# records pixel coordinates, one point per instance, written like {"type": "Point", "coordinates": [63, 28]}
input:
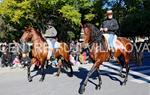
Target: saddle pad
{"type": "Point", "coordinates": [117, 43]}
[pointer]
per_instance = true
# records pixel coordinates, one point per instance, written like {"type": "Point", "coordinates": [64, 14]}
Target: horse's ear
{"type": "Point", "coordinates": [25, 28]}
{"type": "Point", "coordinates": [38, 30]}
{"type": "Point", "coordinates": [29, 27]}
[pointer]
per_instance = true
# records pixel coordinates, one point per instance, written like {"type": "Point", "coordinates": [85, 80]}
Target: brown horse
{"type": "Point", "coordinates": [40, 51]}
{"type": "Point", "coordinates": [101, 54]}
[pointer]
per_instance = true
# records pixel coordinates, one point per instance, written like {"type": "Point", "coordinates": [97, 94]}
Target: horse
{"type": "Point", "coordinates": [98, 56]}
{"type": "Point", "coordinates": [40, 51]}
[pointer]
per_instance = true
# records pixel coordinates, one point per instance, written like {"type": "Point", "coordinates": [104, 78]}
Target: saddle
{"type": "Point", "coordinates": [117, 43]}
{"type": "Point", "coordinates": [52, 46]}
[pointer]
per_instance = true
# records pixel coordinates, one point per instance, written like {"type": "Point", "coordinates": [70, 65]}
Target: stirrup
{"type": "Point", "coordinates": [52, 58]}
{"type": "Point", "coordinates": [112, 53]}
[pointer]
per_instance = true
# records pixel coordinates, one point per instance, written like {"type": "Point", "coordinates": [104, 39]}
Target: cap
{"type": "Point", "coordinates": [109, 12]}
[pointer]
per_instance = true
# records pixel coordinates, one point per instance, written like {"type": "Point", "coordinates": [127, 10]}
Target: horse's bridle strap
{"type": "Point", "coordinates": [36, 39]}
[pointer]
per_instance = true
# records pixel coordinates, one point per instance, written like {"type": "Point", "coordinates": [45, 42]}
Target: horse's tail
{"type": "Point", "coordinates": [128, 46]}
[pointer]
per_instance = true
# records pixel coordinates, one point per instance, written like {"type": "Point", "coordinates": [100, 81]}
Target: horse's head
{"type": "Point", "coordinates": [91, 33]}
{"type": "Point", "coordinates": [27, 34]}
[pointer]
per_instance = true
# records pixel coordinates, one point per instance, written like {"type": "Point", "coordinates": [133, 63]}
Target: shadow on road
{"type": "Point", "coordinates": [82, 73]}
{"type": "Point", "coordinates": [49, 70]}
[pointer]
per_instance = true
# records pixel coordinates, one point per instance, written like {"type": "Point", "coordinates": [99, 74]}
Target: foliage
{"type": "Point", "coordinates": [133, 16]}
{"type": "Point", "coordinates": [136, 22]}
{"type": "Point", "coordinates": [70, 13]}
{"type": "Point", "coordinates": [66, 15]}
{"type": "Point", "coordinates": [5, 29]}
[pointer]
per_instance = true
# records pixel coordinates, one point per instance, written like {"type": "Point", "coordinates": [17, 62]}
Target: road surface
{"type": "Point", "coordinates": [14, 81]}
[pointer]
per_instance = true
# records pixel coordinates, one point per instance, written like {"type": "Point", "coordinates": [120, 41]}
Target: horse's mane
{"type": "Point", "coordinates": [96, 34]}
{"type": "Point", "coordinates": [39, 33]}
{"type": "Point", "coordinates": [36, 30]}
{"type": "Point", "coordinates": [92, 27]}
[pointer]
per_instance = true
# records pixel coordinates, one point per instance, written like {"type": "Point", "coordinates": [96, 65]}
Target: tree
{"type": "Point", "coordinates": [135, 23]}
{"type": "Point", "coordinates": [5, 29]}
{"type": "Point", "coordinates": [132, 16]}
{"type": "Point", "coordinates": [65, 15]}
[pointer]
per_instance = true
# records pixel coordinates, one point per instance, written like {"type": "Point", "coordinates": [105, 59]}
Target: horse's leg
{"type": "Point", "coordinates": [121, 70]}
{"type": "Point", "coordinates": [46, 64]}
{"type": "Point", "coordinates": [99, 79]}
{"type": "Point", "coordinates": [121, 74]}
{"type": "Point", "coordinates": [28, 72]}
{"type": "Point", "coordinates": [126, 57]}
{"type": "Point", "coordinates": [122, 62]}
{"type": "Point", "coordinates": [71, 70]}
{"type": "Point", "coordinates": [34, 61]}
{"type": "Point", "coordinates": [82, 87]}
{"type": "Point", "coordinates": [59, 67]}
{"type": "Point", "coordinates": [42, 73]}
{"type": "Point", "coordinates": [127, 72]}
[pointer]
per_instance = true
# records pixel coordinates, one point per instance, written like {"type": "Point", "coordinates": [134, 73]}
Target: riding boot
{"type": "Point", "coordinates": [53, 54]}
{"type": "Point", "coordinates": [112, 53]}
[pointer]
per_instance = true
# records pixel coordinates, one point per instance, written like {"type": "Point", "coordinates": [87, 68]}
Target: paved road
{"type": "Point", "coordinates": [14, 81]}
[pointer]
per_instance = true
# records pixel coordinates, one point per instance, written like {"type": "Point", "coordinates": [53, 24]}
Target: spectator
{"type": "Point", "coordinates": [16, 62]}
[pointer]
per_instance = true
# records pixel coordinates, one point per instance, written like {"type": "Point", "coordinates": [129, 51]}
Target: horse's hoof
{"type": "Point", "coordinates": [98, 87]}
{"type": "Point", "coordinates": [57, 75]}
{"type": "Point", "coordinates": [47, 67]}
{"type": "Point", "coordinates": [70, 75]}
{"type": "Point", "coordinates": [82, 89]}
{"type": "Point", "coordinates": [124, 83]}
{"type": "Point", "coordinates": [122, 76]}
{"type": "Point", "coordinates": [36, 68]}
{"type": "Point", "coordinates": [41, 80]}
{"type": "Point", "coordinates": [30, 80]}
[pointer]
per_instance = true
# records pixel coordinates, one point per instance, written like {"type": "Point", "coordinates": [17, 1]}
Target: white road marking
{"type": "Point", "coordinates": [141, 80]}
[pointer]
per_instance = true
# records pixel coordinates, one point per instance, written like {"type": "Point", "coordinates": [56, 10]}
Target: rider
{"type": "Point", "coordinates": [51, 34]}
{"type": "Point", "coordinates": [109, 27]}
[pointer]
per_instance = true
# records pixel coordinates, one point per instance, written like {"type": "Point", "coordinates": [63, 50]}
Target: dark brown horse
{"type": "Point", "coordinates": [101, 54]}
{"type": "Point", "coordinates": [40, 51]}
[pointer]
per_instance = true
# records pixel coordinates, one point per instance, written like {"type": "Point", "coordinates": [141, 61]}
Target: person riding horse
{"type": "Point", "coordinates": [40, 52]}
{"type": "Point", "coordinates": [122, 53]}
{"type": "Point", "coordinates": [50, 35]}
{"type": "Point", "coordinates": [109, 27]}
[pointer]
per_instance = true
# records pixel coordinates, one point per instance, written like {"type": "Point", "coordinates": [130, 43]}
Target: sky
{"type": "Point", "coordinates": [110, 4]}
{"type": "Point", "coordinates": [107, 5]}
